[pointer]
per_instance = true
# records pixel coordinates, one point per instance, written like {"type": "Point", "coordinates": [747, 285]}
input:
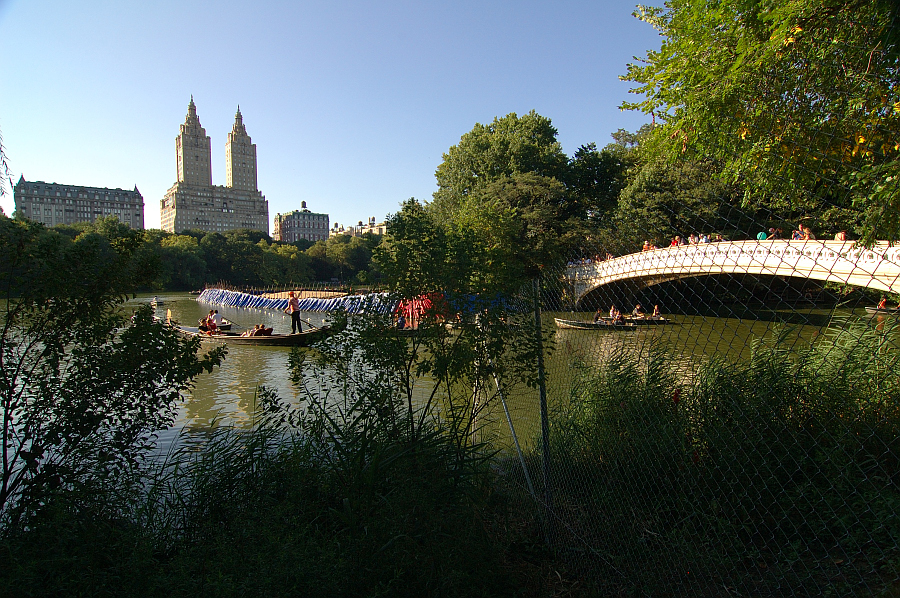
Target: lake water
{"type": "Point", "coordinates": [227, 395]}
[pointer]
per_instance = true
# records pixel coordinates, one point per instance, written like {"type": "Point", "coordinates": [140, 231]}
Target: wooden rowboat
{"type": "Point", "coordinates": [599, 325]}
{"type": "Point", "coordinates": [300, 339]}
{"type": "Point", "coordinates": [226, 324]}
{"type": "Point", "coordinates": [647, 320]}
{"type": "Point", "coordinates": [883, 310]}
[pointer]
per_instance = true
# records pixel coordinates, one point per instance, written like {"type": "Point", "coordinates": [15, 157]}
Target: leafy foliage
{"type": "Point", "coordinates": [794, 97]}
{"type": "Point", "coordinates": [80, 400]}
{"type": "Point", "coordinates": [508, 146]}
{"type": "Point", "coordinates": [663, 200]}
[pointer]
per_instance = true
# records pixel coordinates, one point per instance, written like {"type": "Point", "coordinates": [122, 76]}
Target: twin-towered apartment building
{"type": "Point", "coordinates": [193, 202]}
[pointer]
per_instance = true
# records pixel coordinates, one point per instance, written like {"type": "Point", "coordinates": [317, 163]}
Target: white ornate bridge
{"type": "Point", "coordinates": [832, 261]}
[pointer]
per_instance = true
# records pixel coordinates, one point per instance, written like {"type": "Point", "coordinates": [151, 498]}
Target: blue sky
{"type": "Point", "coordinates": [350, 104]}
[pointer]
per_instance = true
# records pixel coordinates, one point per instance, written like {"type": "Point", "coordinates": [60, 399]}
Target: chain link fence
{"type": "Point", "coordinates": [719, 413]}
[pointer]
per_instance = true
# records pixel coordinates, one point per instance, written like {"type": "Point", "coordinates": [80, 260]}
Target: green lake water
{"type": "Point", "coordinates": [227, 395]}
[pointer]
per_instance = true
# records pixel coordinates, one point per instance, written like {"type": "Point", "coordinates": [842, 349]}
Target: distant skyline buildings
{"type": "Point", "coordinates": [344, 101]}
{"type": "Point", "coordinates": [193, 202]}
{"type": "Point", "coordinates": [302, 224]}
{"type": "Point", "coordinates": [370, 226]}
{"type": "Point", "coordinates": [58, 203]}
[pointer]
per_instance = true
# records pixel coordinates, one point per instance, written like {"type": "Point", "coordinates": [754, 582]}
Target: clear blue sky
{"type": "Point", "coordinates": [350, 104]}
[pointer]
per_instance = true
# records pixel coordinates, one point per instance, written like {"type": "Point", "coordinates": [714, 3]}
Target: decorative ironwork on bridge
{"type": "Point", "coordinates": [829, 261]}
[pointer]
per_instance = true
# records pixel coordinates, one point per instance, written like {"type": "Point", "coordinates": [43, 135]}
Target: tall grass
{"type": "Point", "coordinates": [778, 475]}
{"type": "Point", "coordinates": [319, 501]}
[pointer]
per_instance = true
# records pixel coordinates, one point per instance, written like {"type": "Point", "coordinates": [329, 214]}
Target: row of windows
{"type": "Point", "coordinates": [50, 195]}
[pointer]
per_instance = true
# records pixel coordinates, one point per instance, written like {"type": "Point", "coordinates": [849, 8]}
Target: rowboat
{"type": "Point", "coordinates": [647, 320]}
{"type": "Point", "coordinates": [300, 339]}
{"type": "Point", "coordinates": [598, 325]}
{"type": "Point", "coordinates": [883, 310]}
{"type": "Point", "coordinates": [226, 324]}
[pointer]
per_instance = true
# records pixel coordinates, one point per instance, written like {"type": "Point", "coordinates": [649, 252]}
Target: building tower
{"type": "Point", "coordinates": [240, 157]}
{"type": "Point", "coordinates": [193, 151]}
{"type": "Point", "coordinates": [194, 203]}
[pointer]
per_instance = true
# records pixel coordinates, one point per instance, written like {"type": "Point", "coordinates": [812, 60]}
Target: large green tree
{"type": "Point", "coordinates": [798, 99]}
{"type": "Point", "coordinates": [507, 146]}
{"type": "Point", "coordinates": [416, 256]}
{"type": "Point", "coordinates": [663, 200]}
{"type": "Point", "coordinates": [595, 179]}
{"type": "Point", "coordinates": [520, 226]}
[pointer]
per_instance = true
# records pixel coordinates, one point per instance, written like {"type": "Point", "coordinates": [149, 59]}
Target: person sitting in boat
{"type": "Point", "coordinates": [401, 322]}
{"type": "Point", "coordinates": [217, 319]}
{"type": "Point", "coordinates": [613, 312]}
{"type": "Point", "coordinates": [260, 330]}
{"type": "Point", "coordinates": [656, 311]}
{"type": "Point", "coordinates": [598, 315]}
{"type": "Point", "coordinates": [637, 312]}
{"type": "Point", "coordinates": [883, 303]}
{"type": "Point", "coordinates": [208, 324]}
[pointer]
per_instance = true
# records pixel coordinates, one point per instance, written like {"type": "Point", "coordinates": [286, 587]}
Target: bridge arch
{"type": "Point", "coordinates": [826, 261]}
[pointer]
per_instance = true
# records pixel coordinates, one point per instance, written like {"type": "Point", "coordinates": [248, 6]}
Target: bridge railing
{"type": "Point", "coordinates": [831, 261]}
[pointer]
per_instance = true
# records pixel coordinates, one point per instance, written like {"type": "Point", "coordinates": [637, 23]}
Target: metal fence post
{"type": "Point", "coordinates": [545, 419]}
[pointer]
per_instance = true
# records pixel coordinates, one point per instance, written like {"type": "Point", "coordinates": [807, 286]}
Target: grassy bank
{"type": "Point", "coordinates": [775, 476]}
{"type": "Point", "coordinates": [313, 508]}
{"type": "Point", "coordinates": [770, 477]}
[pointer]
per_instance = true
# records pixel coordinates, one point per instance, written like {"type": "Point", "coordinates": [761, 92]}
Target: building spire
{"type": "Point", "coordinates": [239, 123]}
{"type": "Point", "coordinates": [192, 111]}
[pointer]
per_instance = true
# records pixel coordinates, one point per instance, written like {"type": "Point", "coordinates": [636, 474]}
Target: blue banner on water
{"type": "Point", "coordinates": [352, 304]}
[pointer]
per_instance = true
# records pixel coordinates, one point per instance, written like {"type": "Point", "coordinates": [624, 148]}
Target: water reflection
{"type": "Point", "coordinates": [228, 394]}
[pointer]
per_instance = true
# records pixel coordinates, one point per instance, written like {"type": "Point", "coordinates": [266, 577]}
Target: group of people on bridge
{"type": "Point", "coordinates": [801, 233]}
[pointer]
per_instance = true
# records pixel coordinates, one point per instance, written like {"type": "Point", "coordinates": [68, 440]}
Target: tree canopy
{"type": "Point", "coordinates": [798, 99]}
{"type": "Point", "coordinates": [507, 146]}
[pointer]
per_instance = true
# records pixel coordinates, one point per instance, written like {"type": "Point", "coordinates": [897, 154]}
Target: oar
{"type": "Point", "coordinates": [311, 324]}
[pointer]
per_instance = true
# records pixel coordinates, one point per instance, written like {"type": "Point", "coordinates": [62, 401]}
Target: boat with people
{"type": "Point", "coordinates": [647, 320]}
{"type": "Point", "coordinates": [298, 339]}
{"type": "Point", "coordinates": [225, 325]}
{"type": "Point", "coordinates": [595, 325]}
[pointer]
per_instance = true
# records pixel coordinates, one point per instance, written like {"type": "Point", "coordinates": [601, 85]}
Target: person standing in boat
{"type": "Point", "coordinates": [293, 308]}
{"type": "Point", "coordinates": [883, 303]}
